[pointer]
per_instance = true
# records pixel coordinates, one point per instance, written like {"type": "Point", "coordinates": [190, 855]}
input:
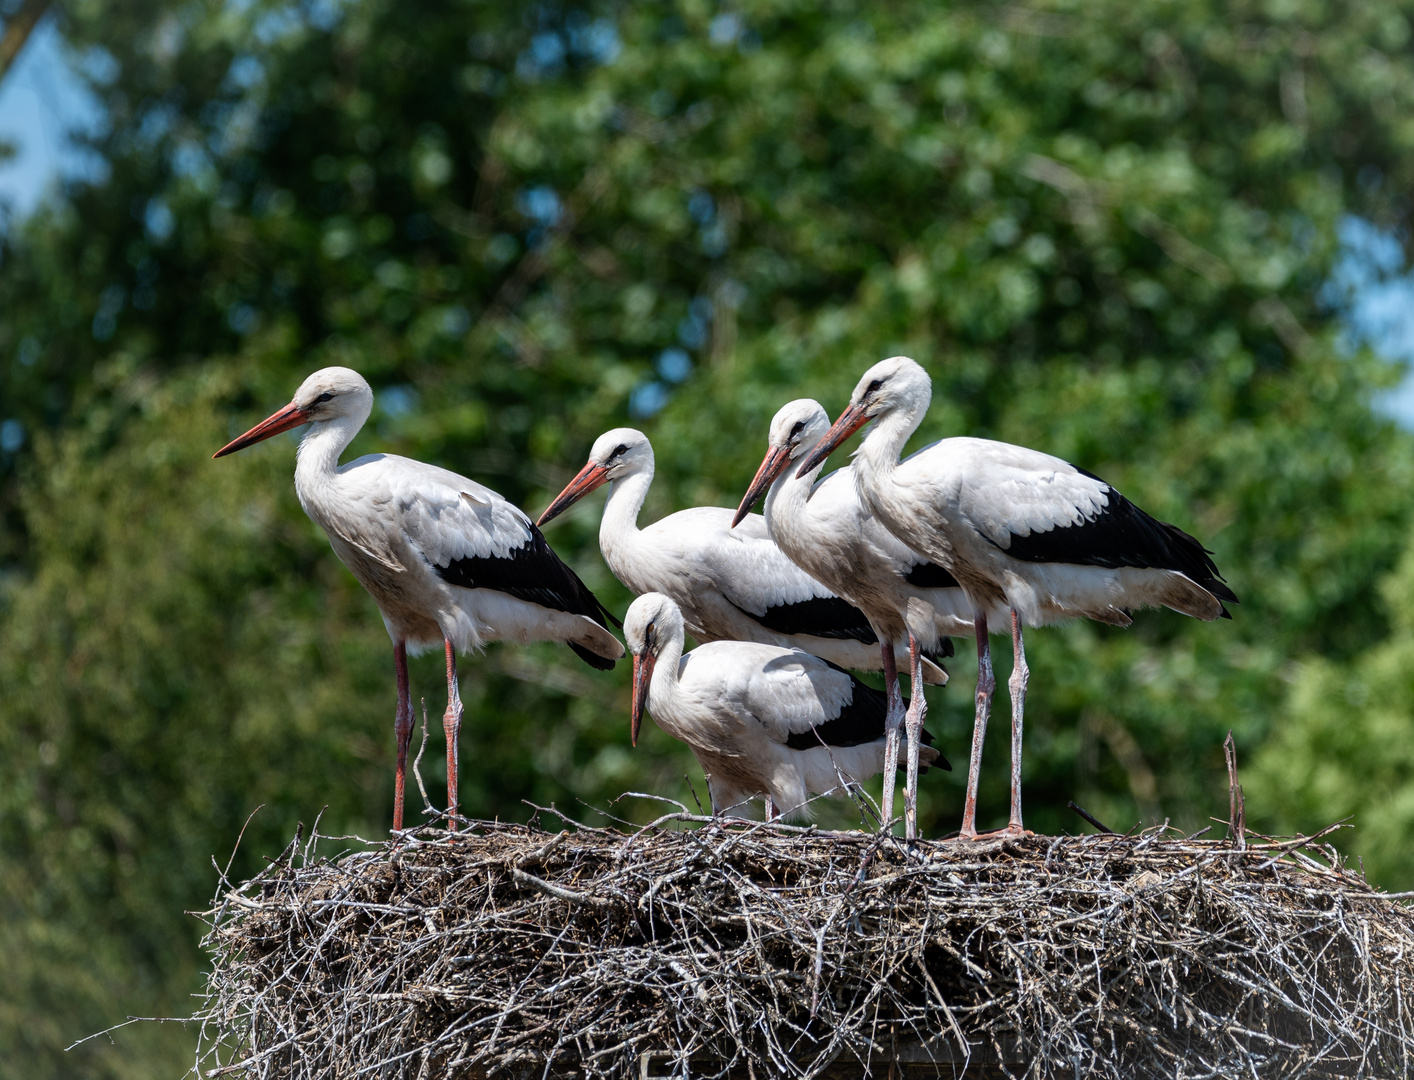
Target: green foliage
{"type": "Point", "coordinates": [1345, 747]}
{"type": "Point", "coordinates": [1105, 228]}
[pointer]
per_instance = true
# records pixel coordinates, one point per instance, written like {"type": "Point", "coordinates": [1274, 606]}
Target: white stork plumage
{"type": "Point", "coordinates": [448, 561]}
{"type": "Point", "coordinates": [762, 720]}
{"type": "Point", "coordinates": [823, 528]}
{"type": "Point", "coordinates": [731, 584]}
{"type": "Point", "coordinates": [1017, 528]}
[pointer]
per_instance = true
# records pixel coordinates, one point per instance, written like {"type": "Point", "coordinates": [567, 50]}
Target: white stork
{"type": "Point", "coordinates": [1016, 528]}
{"type": "Point", "coordinates": [825, 530]}
{"type": "Point", "coordinates": [448, 561]}
{"type": "Point", "coordinates": [762, 720]}
{"type": "Point", "coordinates": [731, 584]}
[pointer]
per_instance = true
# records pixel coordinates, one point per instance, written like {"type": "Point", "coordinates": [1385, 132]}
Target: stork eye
{"type": "Point", "coordinates": [619, 451]}
{"type": "Point", "coordinates": [874, 386]}
{"type": "Point", "coordinates": [799, 427]}
{"type": "Point", "coordinates": [328, 395]}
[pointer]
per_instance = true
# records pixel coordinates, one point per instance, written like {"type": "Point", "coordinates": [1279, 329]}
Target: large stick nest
{"type": "Point", "coordinates": [761, 950]}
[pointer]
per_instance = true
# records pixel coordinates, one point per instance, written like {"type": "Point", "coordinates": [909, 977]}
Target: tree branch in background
{"type": "Point", "coordinates": [17, 31]}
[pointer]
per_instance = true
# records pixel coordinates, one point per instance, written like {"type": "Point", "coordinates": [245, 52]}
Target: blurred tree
{"type": "Point", "coordinates": [1106, 228]}
{"type": "Point", "coordinates": [1342, 750]}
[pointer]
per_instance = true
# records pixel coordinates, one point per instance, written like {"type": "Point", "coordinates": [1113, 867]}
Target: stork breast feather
{"type": "Point", "coordinates": [371, 537]}
{"type": "Point", "coordinates": [376, 549]}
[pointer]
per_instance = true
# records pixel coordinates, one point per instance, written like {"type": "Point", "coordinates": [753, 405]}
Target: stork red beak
{"type": "Point", "coordinates": [642, 676]}
{"type": "Point", "coordinates": [772, 465]}
{"type": "Point", "coordinates": [585, 481]}
{"type": "Point", "coordinates": [850, 421]}
{"type": "Point", "coordinates": [291, 416]}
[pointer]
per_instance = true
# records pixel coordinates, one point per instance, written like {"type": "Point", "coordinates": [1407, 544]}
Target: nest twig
{"type": "Point", "coordinates": [767, 951]}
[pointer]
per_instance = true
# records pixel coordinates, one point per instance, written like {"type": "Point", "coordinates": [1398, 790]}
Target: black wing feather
{"type": "Point", "coordinates": [820, 616]}
{"type": "Point", "coordinates": [943, 650]}
{"type": "Point", "coordinates": [829, 617]}
{"type": "Point", "coordinates": [1121, 534]}
{"type": "Point", "coordinates": [534, 573]}
{"type": "Point", "coordinates": [929, 575]}
{"type": "Point", "coordinates": [861, 721]}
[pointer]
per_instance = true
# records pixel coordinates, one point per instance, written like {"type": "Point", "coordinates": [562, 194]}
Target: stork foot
{"type": "Point", "coordinates": [1009, 832]}
{"type": "Point", "coordinates": [721, 821]}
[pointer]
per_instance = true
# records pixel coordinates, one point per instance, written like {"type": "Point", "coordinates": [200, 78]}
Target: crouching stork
{"type": "Point", "coordinates": [762, 720]}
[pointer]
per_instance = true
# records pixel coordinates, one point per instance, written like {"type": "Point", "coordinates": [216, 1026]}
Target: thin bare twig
{"type": "Point", "coordinates": [1237, 806]}
{"type": "Point", "coordinates": [427, 808]}
{"type": "Point", "coordinates": [1089, 817]}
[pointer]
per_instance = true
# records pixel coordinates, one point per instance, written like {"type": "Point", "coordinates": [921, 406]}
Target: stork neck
{"type": "Point", "coordinates": [877, 457]}
{"type": "Point", "coordinates": [320, 449]}
{"type": "Point", "coordinates": [786, 501]}
{"type": "Point", "coordinates": [618, 528]}
{"type": "Point", "coordinates": [665, 670]}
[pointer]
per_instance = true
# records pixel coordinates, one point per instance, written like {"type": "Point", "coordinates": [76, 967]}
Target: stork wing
{"type": "Point", "coordinates": [787, 691]}
{"type": "Point", "coordinates": [1042, 509]}
{"type": "Point", "coordinates": [472, 537]}
{"type": "Point", "coordinates": [755, 576]}
{"type": "Point", "coordinates": [929, 575]}
{"type": "Point", "coordinates": [1008, 492]}
{"type": "Point", "coordinates": [805, 702]}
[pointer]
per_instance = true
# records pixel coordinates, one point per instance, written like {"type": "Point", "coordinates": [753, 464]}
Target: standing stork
{"type": "Point", "coordinates": [760, 719]}
{"type": "Point", "coordinates": [448, 561]}
{"type": "Point", "coordinates": [1017, 529]}
{"type": "Point", "coordinates": [825, 530]}
{"type": "Point", "coordinates": [731, 584]}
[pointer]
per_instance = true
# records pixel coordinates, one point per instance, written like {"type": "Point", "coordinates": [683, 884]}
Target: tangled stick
{"type": "Point", "coordinates": [779, 951]}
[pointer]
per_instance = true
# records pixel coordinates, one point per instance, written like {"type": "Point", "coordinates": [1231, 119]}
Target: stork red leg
{"type": "Point", "coordinates": [402, 730]}
{"type": "Point", "coordinates": [451, 726]}
{"type": "Point", "coordinates": [986, 683]}
{"type": "Point", "coordinates": [892, 716]}
{"type": "Point", "coordinates": [916, 708]}
{"type": "Point", "coordinates": [1020, 675]}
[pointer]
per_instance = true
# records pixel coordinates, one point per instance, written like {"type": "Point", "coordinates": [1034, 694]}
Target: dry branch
{"type": "Point", "coordinates": [758, 951]}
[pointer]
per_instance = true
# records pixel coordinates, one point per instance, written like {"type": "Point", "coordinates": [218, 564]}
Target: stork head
{"type": "Point", "coordinates": [895, 383]}
{"type": "Point", "coordinates": [332, 393]}
{"type": "Point", "coordinates": [652, 621]}
{"type": "Point", "coordinates": [615, 454]}
{"type": "Point", "coordinates": [795, 430]}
